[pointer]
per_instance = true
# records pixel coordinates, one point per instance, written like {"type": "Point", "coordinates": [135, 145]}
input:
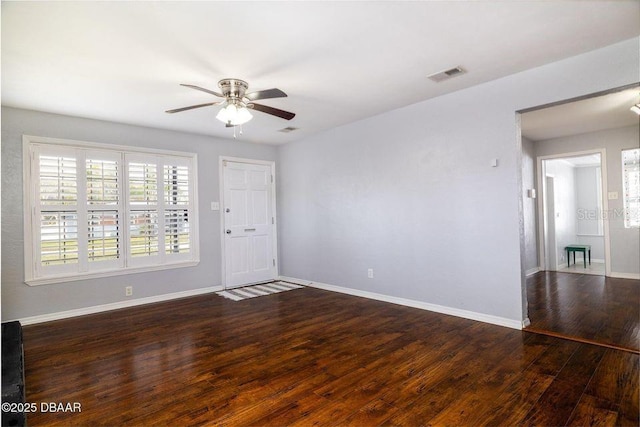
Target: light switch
{"type": "Point", "coordinates": [613, 195]}
{"type": "Point", "coordinates": [531, 193]}
{"type": "Point", "coordinates": [494, 163]}
{"type": "Point", "coordinates": [215, 206]}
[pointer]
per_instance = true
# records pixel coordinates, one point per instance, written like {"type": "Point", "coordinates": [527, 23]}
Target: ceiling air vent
{"type": "Point", "coordinates": [288, 129]}
{"type": "Point", "coordinates": [447, 74]}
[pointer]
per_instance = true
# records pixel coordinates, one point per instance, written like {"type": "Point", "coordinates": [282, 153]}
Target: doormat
{"type": "Point", "coordinates": [238, 294]}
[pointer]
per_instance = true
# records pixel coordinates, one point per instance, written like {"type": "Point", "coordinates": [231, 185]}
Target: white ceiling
{"type": "Point", "coordinates": [588, 115]}
{"type": "Point", "coordinates": [338, 61]}
{"type": "Point", "coordinates": [582, 161]}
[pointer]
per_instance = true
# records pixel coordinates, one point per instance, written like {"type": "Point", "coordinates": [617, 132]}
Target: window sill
{"type": "Point", "coordinates": [109, 273]}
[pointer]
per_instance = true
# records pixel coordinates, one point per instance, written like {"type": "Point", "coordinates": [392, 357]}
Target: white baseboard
{"type": "Point", "coordinates": [625, 275]}
{"type": "Point", "coordinates": [531, 271]}
{"type": "Point", "coordinates": [472, 315]}
{"type": "Point", "coordinates": [115, 305]}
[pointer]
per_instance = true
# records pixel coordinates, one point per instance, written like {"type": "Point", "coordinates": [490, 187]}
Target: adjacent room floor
{"type": "Point", "coordinates": [313, 357]}
{"type": "Point", "coordinates": [596, 309]}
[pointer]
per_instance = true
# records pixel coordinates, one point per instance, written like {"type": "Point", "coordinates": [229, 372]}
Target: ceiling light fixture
{"type": "Point", "coordinates": [636, 109]}
{"type": "Point", "coordinates": [234, 115]}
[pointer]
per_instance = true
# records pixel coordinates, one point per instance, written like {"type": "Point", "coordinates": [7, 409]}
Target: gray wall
{"type": "Point", "coordinates": [529, 211]}
{"type": "Point", "coordinates": [411, 193]}
{"type": "Point", "coordinates": [625, 242]}
{"type": "Point", "coordinates": [20, 300]}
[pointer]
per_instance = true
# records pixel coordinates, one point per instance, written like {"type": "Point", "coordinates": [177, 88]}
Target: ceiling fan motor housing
{"type": "Point", "coordinates": [233, 88]}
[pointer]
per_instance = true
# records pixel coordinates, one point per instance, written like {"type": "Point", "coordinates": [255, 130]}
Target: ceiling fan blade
{"type": "Point", "coordinates": [177, 110]}
{"type": "Point", "coordinates": [229, 125]}
{"type": "Point", "coordinates": [273, 111]}
{"type": "Point", "coordinates": [203, 90]}
{"type": "Point", "coordinates": [265, 94]}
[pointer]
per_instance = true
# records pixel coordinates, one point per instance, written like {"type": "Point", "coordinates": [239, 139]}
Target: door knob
{"type": "Point", "coordinates": [228, 231]}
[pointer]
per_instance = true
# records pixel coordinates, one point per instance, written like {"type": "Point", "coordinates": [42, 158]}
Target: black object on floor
{"type": "Point", "coordinates": [12, 373]}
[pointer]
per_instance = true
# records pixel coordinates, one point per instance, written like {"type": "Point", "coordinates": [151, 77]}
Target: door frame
{"type": "Point", "coordinates": [541, 178]}
{"type": "Point", "coordinates": [545, 223]}
{"type": "Point", "coordinates": [272, 164]}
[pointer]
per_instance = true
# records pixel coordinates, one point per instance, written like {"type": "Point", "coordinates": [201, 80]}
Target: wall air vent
{"type": "Point", "coordinates": [288, 129]}
{"type": "Point", "coordinates": [447, 74]}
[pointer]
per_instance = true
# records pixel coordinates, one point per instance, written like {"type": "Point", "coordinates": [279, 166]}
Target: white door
{"type": "Point", "coordinates": [248, 223]}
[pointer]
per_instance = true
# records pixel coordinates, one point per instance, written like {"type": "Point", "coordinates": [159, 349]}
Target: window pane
{"type": "Point", "coordinates": [176, 185]}
{"type": "Point", "coordinates": [143, 232]}
{"type": "Point", "coordinates": [143, 183]}
{"type": "Point", "coordinates": [104, 238]}
{"type": "Point", "coordinates": [58, 180]}
{"type": "Point", "coordinates": [58, 238]}
{"type": "Point", "coordinates": [102, 181]}
{"type": "Point", "coordinates": [631, 187]}
{"type": "Point", "coordinates": [176, 236]}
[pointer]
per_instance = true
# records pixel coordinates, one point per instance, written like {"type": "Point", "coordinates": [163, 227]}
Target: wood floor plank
{"type": "Point", "coordinates": [555, 406]}
{"type": "Point", "coordinates": [372, 414]}
{"type": "Point", "coordinates": [592, 411]}
{"type": "Point", "coordinates": [517, 400]}
{"type": "Point", "coordinates": [616, 372]}
{"type": "Point", "coordinates": [582, 364]}
{"type": "Point", "coordinates": [554, 357]}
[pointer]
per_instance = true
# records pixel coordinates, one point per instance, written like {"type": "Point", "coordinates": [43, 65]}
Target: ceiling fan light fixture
{"type": "Point", "coordinates": [636, 109]}
{"type": "Point", "coordinates": [233, 115]}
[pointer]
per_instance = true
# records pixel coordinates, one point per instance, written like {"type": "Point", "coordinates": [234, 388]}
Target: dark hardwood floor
{"type": "Point", "coordinates": [594, 309]}
{"type": "Point", "coordinates": [312, 357]}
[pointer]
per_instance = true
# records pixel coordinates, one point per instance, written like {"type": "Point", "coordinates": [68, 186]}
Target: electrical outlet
{"type": "Point", "coordinates": [370, 273]}
{"type": "Point", "coordinates": [128, 291]}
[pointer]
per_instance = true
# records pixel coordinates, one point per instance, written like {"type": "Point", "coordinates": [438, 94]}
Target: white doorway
{"type": "Point", "coordinates": [249, 242]}
{"type": "Point", "coordinates": [572, 209]}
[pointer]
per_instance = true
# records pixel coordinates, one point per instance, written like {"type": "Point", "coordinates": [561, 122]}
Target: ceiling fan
{"type": "Point", "coordinates": [237, 102]}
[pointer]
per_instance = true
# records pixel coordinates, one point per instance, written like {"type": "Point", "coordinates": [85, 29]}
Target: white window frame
{"type": "Point", "coordinates": [625, 201]}
{"type": "Point", "coordinates": [33, 272]}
